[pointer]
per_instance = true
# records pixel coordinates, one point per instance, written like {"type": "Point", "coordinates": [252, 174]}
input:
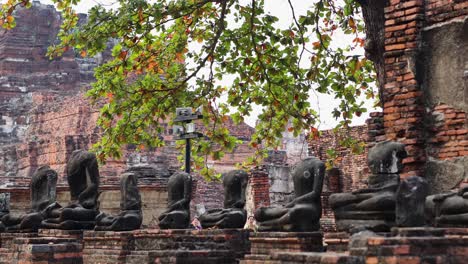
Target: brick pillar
{"type": "Point", "coordinates": [402, 95]}
{"type": "Point", "coordinates": [260, 188]}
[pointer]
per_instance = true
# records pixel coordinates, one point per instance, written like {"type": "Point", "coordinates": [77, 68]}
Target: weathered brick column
{"type": "Point", "coordinates": [402, 96]}
{"type": "Point", "coordinates": [258, 190]}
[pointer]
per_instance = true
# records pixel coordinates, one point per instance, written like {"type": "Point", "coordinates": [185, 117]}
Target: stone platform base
{"type": "Point", "coordinates": [107, 247]}
{"type": "Point", "coordinates": [43, 250]}
{"type": "Point", "coordinates": [166, 246]}
{"type": "Point", "coordinates": [44, 246]}
{"type": "Point", "coordinates": [182, 256]}
{"type": "Point", "coordinates": [336, 242]}
{"type": "Point", "coordinates": [303, 257]}
{"type": "Point", "coordinates": [71, 234]}
{"type": "Point", "coordinates": [264, 244]}
{"type": "Point", "coordinates": [417, 246]}
{"type": "Point", "coordinates": [6, 239]}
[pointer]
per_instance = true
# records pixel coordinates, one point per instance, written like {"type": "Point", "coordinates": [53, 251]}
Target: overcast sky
{"type": "Point", "coordinates": [280, 8]}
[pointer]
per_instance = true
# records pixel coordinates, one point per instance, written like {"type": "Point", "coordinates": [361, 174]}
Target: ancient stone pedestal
{"type": "Point", "coordinates": [43, 250]}
{"type": "Point", "coordinates": [182, 256]}
{"type": "Point", "coordinates": [336, 242]}
{"type": "Point", "coordinates": [417, 245]}
{"type": "Point", "coordinates": [263, 244]}
{"type": "Point", "coordinates": [44, 246]}
{"type": "Point", "coordinates": [166, 246]}
{"type": "Point", "coordinates": [304, 257]}
{"type": "Point", "coordinates": [71, 234]}
{"type": "Point", "coordinates": [6, 239]}
{"type": "Point", "coordinates": [107, 246]}
{"type": "Point", "coordinates": [50, 249]}
{"type": "Point", "coordinates": [6, 245]}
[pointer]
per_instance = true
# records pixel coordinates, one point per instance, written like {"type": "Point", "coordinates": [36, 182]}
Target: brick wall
{"type": "Point", "coordinates": [402, 96]}
{"type": "Point", "coordinates": [258, 190]}
{"type": "Point", "coordinates": [426, 89]}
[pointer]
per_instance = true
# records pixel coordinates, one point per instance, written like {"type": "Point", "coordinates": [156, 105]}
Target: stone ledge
{"type": "Point", "coordinates": [145, 245]}
{"type": "Point", "coordinates": [303, 257]}
{"type": "Point", "coordinates": [265, 243]}
{"type": "Point", "coordinates": [178, 256]}
{"type": "Point", "coordinates": [417, 245]}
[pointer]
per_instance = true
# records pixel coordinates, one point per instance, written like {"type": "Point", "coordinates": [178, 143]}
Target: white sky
{"type": "Point", "coordinates": [280, 8]}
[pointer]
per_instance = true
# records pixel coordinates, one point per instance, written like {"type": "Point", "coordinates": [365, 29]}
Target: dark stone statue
{"type": "Point", "coordinates": [4, 208]}
{"type": "Point", "coordinates": [83, 180]}
{"type": "Point", "coordinates": [177, 215]}
{"type": "Point", "coordinates": [4, 204]}
{"type": "Point", "coordinates": [130, 217]}
{"type": "Point", "coordinates": [411, 195]}
{"type": "Point", "coordinates": [304, 212]}
{"type": "Point", "coordinates": [448, 209]}
{"type": "Point", "coordinates": [373, 208]}
{"type": "Point", "coordinates": [233, 215]}
{"type": "Point", "coordinates": [43, 195]}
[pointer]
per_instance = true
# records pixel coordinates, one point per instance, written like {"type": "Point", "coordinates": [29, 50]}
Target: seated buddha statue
{"type": "Point", "coordinates": [233, 215]}
{"type": "Point", "coordinates": [43, 195]}
{"type": "Point", "coordinates": [83, 181]}
{"type": "Point", "coordinates": [374, 207]}
{"type": "Point", "coordinates": [4, 208]}
{"type": "Point", "coordinates": [179, 190]}
{"type": "Point", "coordinates": [303, 213]}
{"type": "Point", "coordinates": [130, 217]}
{"type": "Point", "coordinates": [448, 209]}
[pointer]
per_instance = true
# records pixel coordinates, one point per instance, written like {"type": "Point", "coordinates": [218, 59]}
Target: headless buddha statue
{"type": "Point", "coordinates": [304, 212]}
{"type": "Point", "coordinates": [4, 208]}
{"type": "Point", "coordinates": [233, 215]}
{"type": "Point", "coordinates": [179, 190]}
{"type": "Point", "coordinates": [83, 181]}
{"type": "Point", "coordinates": [448, 209]}
{"type": "Point", "coordinates": [374, 207]}
{"type": "Point", "coordinates": [43, 195]}
{"type": "Point", "coordinates": [130, 217]}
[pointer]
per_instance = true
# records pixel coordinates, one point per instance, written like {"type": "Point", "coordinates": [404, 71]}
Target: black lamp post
{"type": "Point", "coordinates": [186, 130]}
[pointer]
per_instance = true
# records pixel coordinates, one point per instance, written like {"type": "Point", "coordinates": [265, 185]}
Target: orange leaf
{"type": "Point", "coordinates": [314, 133]}
{"type": "Point", "coordinates": [351, 23]}
{"type": "Point", "coordinates": [290, 129]}
{"type": "Point", "coordinates": [140, 15]}
{"type": "Point", "coordinates": [10, 19]}
{"type": "Point", "coordinates": [316, 44]}
{"type": "Point", "coordinates": [123, 54]}
{"type": "Point", "coordinates": [83, 53]}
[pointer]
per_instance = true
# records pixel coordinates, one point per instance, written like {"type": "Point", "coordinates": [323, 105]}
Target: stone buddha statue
{"type": "Point", "coordinates": [374, 207]}
{"type": "Point", "coordinates": [83, 181]}
{"type": "Point", "coordinates": [177, 215]}
{"type": "Point", "coordinates": [43, 195]}
{"type": "Point", "coordinates": [130, 217]}
{"type": "Point", "coordinates": [233, 215]}
{"type": "Point", "coordinates": [4, 208]}
{"type": "Point", "coordinates": [448, 209]}
{"type": "Point", "coordinates": [303, 213]}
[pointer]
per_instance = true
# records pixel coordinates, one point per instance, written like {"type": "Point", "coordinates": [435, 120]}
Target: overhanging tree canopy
{"type": "Point", "coordinates": [172, 53]}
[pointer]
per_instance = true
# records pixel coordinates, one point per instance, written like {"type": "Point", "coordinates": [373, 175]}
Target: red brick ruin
{"type": "Point", "coordinates": [423, 76]}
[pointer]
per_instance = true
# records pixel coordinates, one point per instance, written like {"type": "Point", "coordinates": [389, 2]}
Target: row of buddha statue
{"type": "Point", "coordinates": [386, 202]}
